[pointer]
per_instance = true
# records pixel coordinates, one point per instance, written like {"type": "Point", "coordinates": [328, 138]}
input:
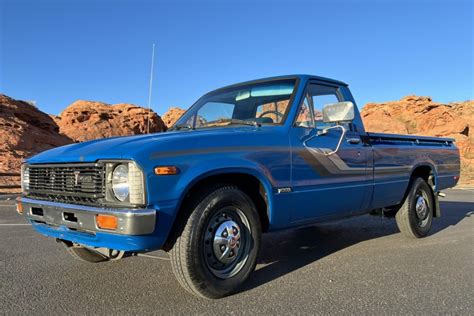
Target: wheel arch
{"type": "Point", "coordinates": [427, 172]}
{"type": "Point", "coordinates": [254, 184]}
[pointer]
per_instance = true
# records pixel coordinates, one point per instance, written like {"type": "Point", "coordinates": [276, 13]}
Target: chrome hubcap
{"type": "Point", "coordinates": [421, 207]}
{"type": "Point", "coordinates": [422, 210]}
{"type": "Point", "coordinates": [227, 241]}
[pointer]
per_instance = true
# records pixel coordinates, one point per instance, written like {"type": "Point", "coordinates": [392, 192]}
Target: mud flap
{"type": "Point", "coordinates": [437, 210]}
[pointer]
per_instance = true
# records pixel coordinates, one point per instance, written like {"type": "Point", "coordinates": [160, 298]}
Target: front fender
{"type": "Point", "coordinates": [264, 180]}
{"type": "Point", "coordinates": [215, 167]}
{"type": "Point", "coordinates": [189, 179]}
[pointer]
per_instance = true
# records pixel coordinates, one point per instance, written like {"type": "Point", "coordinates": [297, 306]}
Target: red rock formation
{"type": "Point", "coordinates": [24, 131]}
{"type": "Point", "coordinates": [172, 115]}
{"type": "Point", "coordinates": [86, 120]}
{"type": "Point", "coordinates": [421, 116]}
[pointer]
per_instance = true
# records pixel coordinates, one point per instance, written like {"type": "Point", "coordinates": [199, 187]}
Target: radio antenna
{"type": "Point", "coordinates": [150, 88]}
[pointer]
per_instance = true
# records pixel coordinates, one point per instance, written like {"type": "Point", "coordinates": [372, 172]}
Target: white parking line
{"type": "Point", "coordinates": [464, 189]}
{"type": "Point", "coordinates": [153, 257]}
{"type": "Point", "coordinates": [15, 224]}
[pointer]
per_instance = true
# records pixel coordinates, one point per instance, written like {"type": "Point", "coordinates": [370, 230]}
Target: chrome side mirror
{"type": "Point", "coordinates": [338, 112]}
{"type": "Point", "coordinates": [341, 112]}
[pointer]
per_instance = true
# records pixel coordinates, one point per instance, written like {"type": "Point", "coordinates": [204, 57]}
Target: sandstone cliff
{"type": "Point", "coordinates": [86, 120]}
{"type": "Point", "coordinates": [172, 115]}
{"type": "Point", "coordinates": [24, 131]}
{"type": "Point", "coordinates": [421, 116]}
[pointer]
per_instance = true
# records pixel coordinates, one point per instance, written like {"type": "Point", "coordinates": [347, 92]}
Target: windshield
{"type": "Point", "coordinates": [256, 104]}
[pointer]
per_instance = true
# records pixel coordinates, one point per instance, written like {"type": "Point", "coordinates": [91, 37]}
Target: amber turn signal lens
{"type": "Point", "coordinates": [19, 206]}
{"type": "Point", "coordinates": [166, 170]}
{"type": "Point", "coordinates": [106, 221]}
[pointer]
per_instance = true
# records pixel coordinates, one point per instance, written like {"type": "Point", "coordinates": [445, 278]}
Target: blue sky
{"type": "Point", "coordinates": [55, 52]}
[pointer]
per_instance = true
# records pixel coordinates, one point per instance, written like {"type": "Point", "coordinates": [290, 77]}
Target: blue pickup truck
{"type": "Point", "coordinates": [245, 159]}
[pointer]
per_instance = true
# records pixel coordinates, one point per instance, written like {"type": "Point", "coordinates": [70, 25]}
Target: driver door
{"type": "Point", "coordinates": [325, 186]}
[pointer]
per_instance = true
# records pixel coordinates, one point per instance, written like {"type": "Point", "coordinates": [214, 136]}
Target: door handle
{"type": "Point", "coordinates": [353, 140]}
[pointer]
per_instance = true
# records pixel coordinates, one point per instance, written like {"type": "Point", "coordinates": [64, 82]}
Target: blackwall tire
{"type": "Point", "coordinates": [217, 248]}
{"type": "Point", "coordinates": [415, 216]}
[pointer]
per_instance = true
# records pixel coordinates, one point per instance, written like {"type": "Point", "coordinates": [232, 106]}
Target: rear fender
{"type": "Point", "coordinates": [432, 182]}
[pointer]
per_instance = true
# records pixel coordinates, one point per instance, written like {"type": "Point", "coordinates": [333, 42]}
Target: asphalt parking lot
{"type": "Point", "coordinates": [356, 266]}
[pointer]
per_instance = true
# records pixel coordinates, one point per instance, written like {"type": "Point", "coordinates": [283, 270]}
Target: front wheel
{"type": "Point", "coordinates": [415, 216]}
{"type": "Point", "coordinates": [218, 246]}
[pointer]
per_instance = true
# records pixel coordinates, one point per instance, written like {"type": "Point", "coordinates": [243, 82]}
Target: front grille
{"type": "Point", "coordinates": [68, 183]}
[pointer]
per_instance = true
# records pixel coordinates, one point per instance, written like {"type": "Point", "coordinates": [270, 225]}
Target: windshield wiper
{"type": "Point", "coordinates": [234, 121]}
{"type": "Point", "coordinates": [180, 126]}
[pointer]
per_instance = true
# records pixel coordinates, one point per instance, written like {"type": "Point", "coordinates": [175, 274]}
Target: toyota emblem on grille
{"type": "Point", "coordinates": [76, 177]}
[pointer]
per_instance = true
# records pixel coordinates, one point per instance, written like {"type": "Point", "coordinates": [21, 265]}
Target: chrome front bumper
{"type": "Point", "coordinates": [83, 218]}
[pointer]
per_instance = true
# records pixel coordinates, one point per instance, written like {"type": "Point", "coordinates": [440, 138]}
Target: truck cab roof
{"type": "Point", "coordinates": [304, 77]}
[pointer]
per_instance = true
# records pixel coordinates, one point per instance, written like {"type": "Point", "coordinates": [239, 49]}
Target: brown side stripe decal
{"type": "Point", "coordinates": [315, 164]}
{"type": "Point", "coordinates": [321, 164]}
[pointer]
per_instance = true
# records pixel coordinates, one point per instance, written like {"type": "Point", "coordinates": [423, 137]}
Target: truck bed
{"type": "Point", "coordinates": [395, 157]}
{"type": "Point", "coordinates": [415, 139]}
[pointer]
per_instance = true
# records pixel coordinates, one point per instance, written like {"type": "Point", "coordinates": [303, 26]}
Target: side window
{"type": "Point", "coordinates": [305, 115]}
{"type": "Point", "coordinates": [320, 96]}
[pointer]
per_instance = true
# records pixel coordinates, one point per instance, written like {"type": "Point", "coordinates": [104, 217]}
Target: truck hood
{"type": "Point", "coordinates": [142, 146]}
{"type": "Point", "coordinates": [107, 148]}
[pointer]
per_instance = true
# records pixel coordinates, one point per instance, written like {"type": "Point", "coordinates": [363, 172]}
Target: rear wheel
{"type": "Point", "coordinates": [217, 248]}
{"type": "Point", "coordinates": [415, 216]}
